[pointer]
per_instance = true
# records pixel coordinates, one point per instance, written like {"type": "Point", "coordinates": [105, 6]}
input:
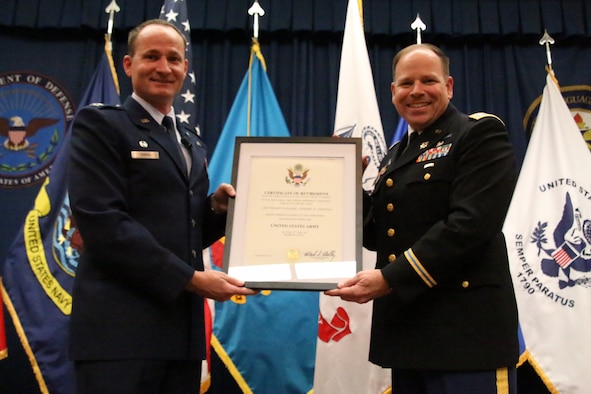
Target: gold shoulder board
{"type": "Point", "coordinates": [480, 115]}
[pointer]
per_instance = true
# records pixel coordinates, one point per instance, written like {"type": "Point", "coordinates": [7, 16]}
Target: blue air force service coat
{"type": "Point", "coordinates": [144, 222]}
{"type": "Point", "coordinates": [435, 220]}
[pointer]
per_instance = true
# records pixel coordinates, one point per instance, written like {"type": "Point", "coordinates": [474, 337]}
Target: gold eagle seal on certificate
{"type": "Point", "coordinates": [293, 254]}
{"type": "Point", "coordinates": [297, 175]}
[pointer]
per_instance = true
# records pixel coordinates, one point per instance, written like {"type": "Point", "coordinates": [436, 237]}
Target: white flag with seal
{"type": "Point", "coordinates": [548, 235]}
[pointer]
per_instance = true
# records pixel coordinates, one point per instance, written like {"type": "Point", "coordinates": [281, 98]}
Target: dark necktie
{"type": "Point", "coordinates": [410, 139]}
{"type": "Point", "coordinates": [169, 126]}
{"type": "Point", "coordinates": [171, 131]}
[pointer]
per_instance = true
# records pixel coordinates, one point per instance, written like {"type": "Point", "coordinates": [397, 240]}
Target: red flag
{"type": "Point", "coordinates": [3, 348]}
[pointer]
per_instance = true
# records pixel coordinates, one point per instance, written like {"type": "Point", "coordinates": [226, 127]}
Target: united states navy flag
{"type": "Point", "coordinates": [41, 264]}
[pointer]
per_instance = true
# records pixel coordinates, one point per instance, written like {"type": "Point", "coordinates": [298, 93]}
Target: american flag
{"type": "Point", "coordinates": [185, 108]}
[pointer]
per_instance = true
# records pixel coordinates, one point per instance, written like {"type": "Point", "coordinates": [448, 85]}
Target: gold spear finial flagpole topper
{"type": "Point", "coordinates": [418, 25]}
{"type": "Point", "coordinates": [547, 41]}
{"type": "Point", "coordinates": [111, 9]}
{"type": "Point", "coordinates": [256, 10]}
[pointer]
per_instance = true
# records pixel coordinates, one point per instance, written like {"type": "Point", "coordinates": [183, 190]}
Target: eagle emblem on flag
{"type": "Point", "coordinates": [17, 131]}
{"type": "Point", "coordinates": [570, 259]}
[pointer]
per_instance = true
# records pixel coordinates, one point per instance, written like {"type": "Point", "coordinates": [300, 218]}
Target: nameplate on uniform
{"type": "Point", "coordinates": [142, 154]}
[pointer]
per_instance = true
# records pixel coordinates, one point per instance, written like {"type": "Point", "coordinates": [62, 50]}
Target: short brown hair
{"type": "Point", "coordinates": [431, 47]}
{"type": "Point", "coordinates": [136, 31]}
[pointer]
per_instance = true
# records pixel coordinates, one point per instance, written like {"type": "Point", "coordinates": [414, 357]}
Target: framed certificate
{"type": "Point", "coordinates": [296, 221]}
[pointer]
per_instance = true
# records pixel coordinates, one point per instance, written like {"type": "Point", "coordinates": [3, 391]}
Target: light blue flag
{"type": "Point", "coordinates": [41, 264]}
{"type": "Point", "coordinates": [267, 341]}
{"type": "Point", "coordinates": [265, 118]}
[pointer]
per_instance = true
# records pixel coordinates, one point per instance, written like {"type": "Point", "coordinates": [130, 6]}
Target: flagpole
{"type": "Point", "coordinates": [402, 126]}
{"type": "Point", "coordinates": [418, 25]}
{"type": "Point", "coordinates": [255, 11]}
{"type": "Point", "coordinates": [547, 40]}
{"type": "Point", "coordinates": [360, 4]}
{"type": "Point", "coordinates": [111, 9]}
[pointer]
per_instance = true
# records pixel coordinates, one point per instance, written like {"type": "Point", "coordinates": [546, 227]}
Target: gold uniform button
{"type": "Point", "coordinates": [389, 182]}
{"type": "Point", "coordinates": [390, 207]}
{"type": "Point", "coordinates": [427, 176]}
{"type": "Point", "coordinates": [391, 232]}
{"type": "Point", "coordinates": [465, 284]}
{"type": "Point", "coordinates": [392, 258]}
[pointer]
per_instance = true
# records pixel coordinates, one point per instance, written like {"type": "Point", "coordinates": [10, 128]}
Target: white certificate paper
{"type": "Point", "coordinates": [296, 220]}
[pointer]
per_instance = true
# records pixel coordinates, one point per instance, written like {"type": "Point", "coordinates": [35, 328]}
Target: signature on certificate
{"type": "Point", "coordinates": [321, 255]}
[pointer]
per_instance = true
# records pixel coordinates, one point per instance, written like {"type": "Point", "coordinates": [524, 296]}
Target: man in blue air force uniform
{"type": "Point", "coordinates": [445, 316]}
{"type": "Point", "coordinates": [139, 198]}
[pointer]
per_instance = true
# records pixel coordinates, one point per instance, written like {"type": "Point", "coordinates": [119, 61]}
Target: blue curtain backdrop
{"type": "Point", "coordinates": [496, 61]}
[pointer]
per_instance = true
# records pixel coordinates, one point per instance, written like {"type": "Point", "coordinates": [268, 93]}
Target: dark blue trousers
{"type": "Point", "coordinates": [500, 381]}
{"type": "Point", "coordinates": [138, 376]}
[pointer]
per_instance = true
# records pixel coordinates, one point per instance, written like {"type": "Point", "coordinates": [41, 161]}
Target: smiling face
{"type": "Point", "coordinates": [157, 65]}
{"type": "Point", "coordinates": [421, 90]}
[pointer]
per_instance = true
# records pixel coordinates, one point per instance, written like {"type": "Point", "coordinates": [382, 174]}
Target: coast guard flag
{"type": "Point", "coordinates": [342, 353]}
{"type": "Point", "coordinates": [175, 12]}
{"type": "Point", "coordinates": [267, 341]}
{"type": "Point", "coordinates": [548, 235]}
{"type": "Point", "coordinates": [41, 263]}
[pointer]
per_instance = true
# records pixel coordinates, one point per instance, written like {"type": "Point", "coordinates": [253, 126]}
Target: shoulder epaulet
{"type": "Point", "coordinates": [481, 115]}
{"type": "Point", "coordinates": [196, 131]}
{"type": "Point", "coordinates": [105, 106]}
